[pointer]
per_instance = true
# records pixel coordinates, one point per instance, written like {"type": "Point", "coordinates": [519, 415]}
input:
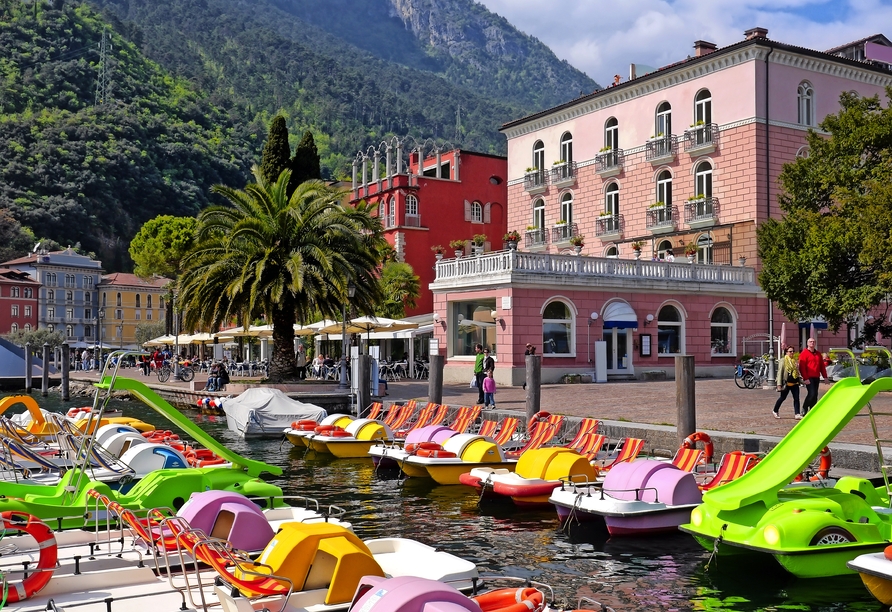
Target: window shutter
{"type": "Point", "coordinates": [486, 215]}
{"type": "Point", "coordinates": [467, 211]}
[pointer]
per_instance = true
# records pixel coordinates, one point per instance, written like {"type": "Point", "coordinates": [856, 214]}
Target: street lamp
{"type": "Point", "coordinates": [100, 314]}
{"type": "Point", "coordinates": [351, 291]}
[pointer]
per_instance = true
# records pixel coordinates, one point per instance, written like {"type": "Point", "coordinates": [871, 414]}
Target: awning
{"type": "Point", "coordinates": [818, 323]}
{"type": "Point", "coordinates": [619, 315]}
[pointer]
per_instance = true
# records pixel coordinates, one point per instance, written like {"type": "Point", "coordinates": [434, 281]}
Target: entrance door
{"type": "Point", "coordinates": [619, 351]}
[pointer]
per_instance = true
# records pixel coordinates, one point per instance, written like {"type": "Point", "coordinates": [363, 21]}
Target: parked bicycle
{"type": "Point", "coordinates": [186, 373]}
{"type": "Point", "coordinates": [752, 374]}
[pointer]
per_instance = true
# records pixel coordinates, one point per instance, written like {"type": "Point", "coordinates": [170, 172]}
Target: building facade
{"type": "Point", "coordinates": [127, 301]}
{"type": "Point", "coordinates": [429, 197]}
{"type": "Point", "coordinates": [67, 299]}
{"type": "Point", "coordinates": [663, 180]}
{"type": "Point", "coordinates": [18, 301]}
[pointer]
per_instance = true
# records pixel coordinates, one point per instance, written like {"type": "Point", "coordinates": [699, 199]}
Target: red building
{"type": "Point", "coordinates": [452, 195]}
{"type": "Point", "coordinates": [18, 301]}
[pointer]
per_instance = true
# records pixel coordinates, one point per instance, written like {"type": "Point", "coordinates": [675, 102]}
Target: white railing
{"type": "Point", "coordinates": [500, 262]}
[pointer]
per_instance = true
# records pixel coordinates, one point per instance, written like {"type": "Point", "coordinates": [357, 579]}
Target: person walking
{"type": "Point", "coordinates": [811, 366]}
{"type": "Point", "coordinates": [478, 371]}
{"type": "Point", "coordinates": [489, 391]}
{"type": "Point", "coordinates": [788, 379]}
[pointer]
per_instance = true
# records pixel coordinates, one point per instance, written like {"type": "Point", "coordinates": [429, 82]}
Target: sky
{"type": "Point", "coordinates": [602, 37]}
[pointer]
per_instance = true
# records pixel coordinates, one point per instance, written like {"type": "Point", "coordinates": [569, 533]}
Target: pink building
{"type": "Point", "coordinates": [683, 160]}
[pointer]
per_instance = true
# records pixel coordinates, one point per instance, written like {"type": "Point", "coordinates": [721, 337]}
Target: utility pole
{"type": "Point", "coordinates": [103, 90]}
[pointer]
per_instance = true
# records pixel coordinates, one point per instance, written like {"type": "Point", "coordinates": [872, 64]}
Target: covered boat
{"type": "Point", "coordinates": [266, 412]}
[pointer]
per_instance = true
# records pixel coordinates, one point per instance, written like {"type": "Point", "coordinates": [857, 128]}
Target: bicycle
{"type": "Point", "coordinates": [186, 373]}
{"type": "Point", "coordinates": [753, 374]}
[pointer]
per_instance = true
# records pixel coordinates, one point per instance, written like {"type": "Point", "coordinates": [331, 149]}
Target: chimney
{"type": "Point", "coordinates": [756, 33]}
{"type": "Point", "coordinates": [701, 48]}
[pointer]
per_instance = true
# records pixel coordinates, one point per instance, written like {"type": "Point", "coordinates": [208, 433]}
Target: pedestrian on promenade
{"type": "Point", "coordinates": [478, 371]}
{"type": "Point", "coordinates": [489, 391]}
{"type": "Point", "coordinates": [811, 366]}
{"type": "Point", "coordinates": [788, 379]}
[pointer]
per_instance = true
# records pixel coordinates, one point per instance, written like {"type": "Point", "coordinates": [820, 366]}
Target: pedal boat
{"type": "Point", "coordinates": [642, 497]}
{"type": "Point", "coordinates": [352, 441]}
{"type": "Point", "coordinates": [538, 472]}
{"type": "Point", "coordinates": [875, 570]}
{"type": "Point", "coordinates": [299, 431]}
{"type": "Point", "coordinates": [458, 455]}
{"type": "Point", "coordinates": [392, 453]}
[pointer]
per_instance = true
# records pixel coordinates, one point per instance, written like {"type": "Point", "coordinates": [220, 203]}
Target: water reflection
{"type": "Point", "coordinates": [655, 573]}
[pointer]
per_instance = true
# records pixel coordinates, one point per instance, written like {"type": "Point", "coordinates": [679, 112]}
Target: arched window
{"type": "Point", "coordinates": [476, 212]}
{"type": "Point", "coordinates": [567, 208]}
{"type": "Point", "coordinates": [557, 329]}
{"type": "Point", "coordinates": [703, 108]}
{"type": "Point", "coordinates": [611, 252]}
{"type": "Point", "coordinates": [137, 300]}
{"type": "Point", "coordinates": [670, 331]}
{"type": "Point", "coordinates": [539, 155]}
{"type": "Point", "coordinates": [411, 206]}
{"type": "Point", "coordinates": [664, 188]}
{"type": "Point", "coordinates": [567, 147]}
{"type": "Point", "coordinates": [721, 335]}
{"type": "Point", "coordinates": [703, 180]}
{"type": "Point", "coordinates": [611, 134]}
{"type": "Point", "coordinates": [539, 214]}
{"type": "Point", "coordinates": [611, 199]}
{"type": "Point", "coordinates": [806, 99]}
{"type": "Point", "coordinates": [663, 123]}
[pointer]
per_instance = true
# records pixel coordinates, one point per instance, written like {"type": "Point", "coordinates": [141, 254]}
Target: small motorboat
{"type": "Point", "coordinates": [351, 441]}
{"type": "Point", "coordinates": [457, 455]}
{"type": "Point", "coordinates": [390, 453]}
{"type": "Point", "coordinates": [300, 431]}
{"type": "Point", "coordinates": [538, 472]}
{"type": "Point", "coordinates": [875, 570]}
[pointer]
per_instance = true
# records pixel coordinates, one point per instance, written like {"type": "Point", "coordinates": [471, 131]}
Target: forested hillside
{"type": "Point", "coordinates": [76, 172]}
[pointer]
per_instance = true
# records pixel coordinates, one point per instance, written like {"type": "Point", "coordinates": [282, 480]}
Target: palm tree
{"type": "Point", "coordinates": [282, 258]}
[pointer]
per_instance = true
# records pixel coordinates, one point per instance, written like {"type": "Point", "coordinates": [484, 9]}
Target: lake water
{"type": "Point", "coordinates": [655, 573]}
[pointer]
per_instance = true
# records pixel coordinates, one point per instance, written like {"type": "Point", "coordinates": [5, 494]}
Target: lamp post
{"type": "Point", "coordinates": [100, 315]}
{"type": "Point", "coordinates": [351, 291]}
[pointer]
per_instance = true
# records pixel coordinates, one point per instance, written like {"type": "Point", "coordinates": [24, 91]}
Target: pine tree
{"type": "Point", "coordinates": [305, 163]}
{"type": "Point", "coordinates": [276, 151]}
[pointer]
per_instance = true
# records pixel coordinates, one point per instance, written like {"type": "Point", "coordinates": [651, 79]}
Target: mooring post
{"type": "Point", "coordinates": [685, 402]}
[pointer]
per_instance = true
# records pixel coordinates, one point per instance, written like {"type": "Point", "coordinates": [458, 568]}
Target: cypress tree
{"type": "Point", "coordinates": [276, 151]}
{"type": "Point", "coordinates": [305, 163]}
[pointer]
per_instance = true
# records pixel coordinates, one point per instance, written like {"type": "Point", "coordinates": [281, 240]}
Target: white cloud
{"type": "Point", "coordinates": [602, 38]}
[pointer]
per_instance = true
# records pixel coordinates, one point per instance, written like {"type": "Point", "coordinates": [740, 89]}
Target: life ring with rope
{"type": "Point", "coordinates": [708, 447]}
{"type": "Point", "coordinates": [46, 563]}
{"type": "Point", "coordinates": [512, 600]}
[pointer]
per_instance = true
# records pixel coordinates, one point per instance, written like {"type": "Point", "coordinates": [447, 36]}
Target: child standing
{"type": "Point", "coordinates": [489, 392]}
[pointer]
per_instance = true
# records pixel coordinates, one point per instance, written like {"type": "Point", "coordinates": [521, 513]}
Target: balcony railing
{"type": "Point", "coordinates": [702, 212]}
{"type": "Point", "coordinates": [701, 137]}
{"type": "Point", "coordinates": [535, 181]}
{"type": "Point", "coordinates": [563, 174]}
{"type": "Point", "coordinates": [563, 232]}
{"type": "Point", "coordinates": [609, 226]}
{"type": "Point", "coordinates": [661, 219]}
{"type": "Point", "coordinates": [661, 147]}
{"type": "Point", "coordinates": [609, 162]}
{"type": "Point", "coordinates": [475, 271]}
{"type": "Point", "coordinates": [536, 237]}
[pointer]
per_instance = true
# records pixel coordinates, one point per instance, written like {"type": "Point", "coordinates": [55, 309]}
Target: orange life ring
{"type": "Point", "coordinates": [414, 447]}
{"type": "Point", "coordinates": [46, 564]}
{"type": "Point", "coordinates": [512, 600]}
{"type": "Point", "coordinates": [708, 448]}
{"type": "Point", "coordinates": [435, 453]}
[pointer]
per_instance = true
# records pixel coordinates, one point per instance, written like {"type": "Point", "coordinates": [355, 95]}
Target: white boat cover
{"type": "Point", "coordinates": [267, 412]}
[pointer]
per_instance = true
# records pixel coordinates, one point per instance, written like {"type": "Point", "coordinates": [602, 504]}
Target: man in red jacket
{"type": "Point", "coordinates": [811, 367]}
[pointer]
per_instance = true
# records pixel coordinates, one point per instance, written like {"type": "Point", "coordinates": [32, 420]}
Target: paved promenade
{"type": "Point", "coordinates": [721, 405]}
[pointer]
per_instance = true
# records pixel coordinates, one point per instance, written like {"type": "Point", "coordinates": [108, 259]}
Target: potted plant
{"type": "Point", "coordinates": [438, 251]}
{"type": "Point", "coordinates": [512, 238]}
{"type": "Point", "coordinates": [459, 246]}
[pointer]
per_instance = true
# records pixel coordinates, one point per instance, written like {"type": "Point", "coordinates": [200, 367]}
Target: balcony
{"type": "Point", "coordinates": [700, 213]}
{"type": "Point", "coordinates": [701, 139]}
{"type": "Point", "coordinates": [563, 232]}
{"type": "Point", "coordinates": [535, 181]}
{"type": "Point", "coordinates": [609, 163]}
{"type": "Point", "coordinates": [609, 227]}
{"type": "Point", "coordinates": [661, 149]}
{"type": "Point", "coordinates": [564, 270]}
{"type": "Point", "coordinates": [563, 174]}
{"type": "Point", "coordinates": [536, 238]}
{"type": "Point", "coordinates": [661, 220]}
